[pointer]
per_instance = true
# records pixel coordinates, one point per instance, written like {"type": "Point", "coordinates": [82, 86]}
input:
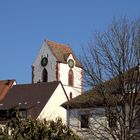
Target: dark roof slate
{"type": "Point", "coordinates": [32, 97]}
{"type": "Point", "coordinates": [92, 99]}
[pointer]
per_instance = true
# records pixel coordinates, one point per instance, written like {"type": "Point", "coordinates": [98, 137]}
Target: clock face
{"type": "Point", "coordinates": [71, 63]}
{"type": "Point", "coordinates": [44, 61]}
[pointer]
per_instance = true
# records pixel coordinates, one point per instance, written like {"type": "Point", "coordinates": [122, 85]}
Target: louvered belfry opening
{"type": "Point", "coordinates": [71, 78]}
{"type": "Point", "coordinates": [44, 75]}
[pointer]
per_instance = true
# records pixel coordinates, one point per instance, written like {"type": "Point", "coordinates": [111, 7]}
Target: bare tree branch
{"type": "Point", "coordinates": [111, 66]}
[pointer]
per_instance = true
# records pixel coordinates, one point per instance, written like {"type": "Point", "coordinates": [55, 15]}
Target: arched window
{"type": "Point", "coordinates": [44, 75]}
{"type": "Point", "coordinates": [71, 78]}
{"type": "Point", "coordinates": [70, 95]}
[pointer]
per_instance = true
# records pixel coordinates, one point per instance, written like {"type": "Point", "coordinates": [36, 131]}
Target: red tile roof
{"type": "Point", "coordinates": [5, 85]}
{"type": "Point", "coordinates": [62, 52]}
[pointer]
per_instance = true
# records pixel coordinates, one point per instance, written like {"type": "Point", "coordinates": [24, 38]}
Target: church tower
{"type": "Point", "coordinates": [57, 62]}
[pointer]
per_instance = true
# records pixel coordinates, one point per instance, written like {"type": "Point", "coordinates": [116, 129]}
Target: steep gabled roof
{"type": "Point", "coordinates": [32, 97]}
{"type": "Point", "coordinates": [62, 52]}
{"type": "Point", "coordinates": [5, 85]}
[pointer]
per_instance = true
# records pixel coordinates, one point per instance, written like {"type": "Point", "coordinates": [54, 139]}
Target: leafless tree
{"type": "Point", "coordinates": [111, 64]}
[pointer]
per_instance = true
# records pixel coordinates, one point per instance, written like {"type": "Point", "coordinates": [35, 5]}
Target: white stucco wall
{"type": "Point", "coordinates": [50, 67]}
{"type": "Point", "coordinates": [76, 89]}
{"type": "Point", "coordinates": [96, 116]}
{"type": "Point", "coordinates": [64, 70]}
{"type": "Point", "coordinates": [53, 108]}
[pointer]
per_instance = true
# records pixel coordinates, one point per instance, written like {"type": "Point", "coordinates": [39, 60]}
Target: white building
{"type": "Point", "coordinates": [86, 115]}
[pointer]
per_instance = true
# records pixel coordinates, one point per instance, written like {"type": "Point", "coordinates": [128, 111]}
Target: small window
{"type": "Point", "coordinates": [12, 113]}
{"type": "Point", "coordinates": [71, 78]}
{"type": "Point", "coordinates": [84, 120]}
{"type": "Point", "coordinates": [23, 114]}
{"type": "Point", "coordinates": [4, 115]}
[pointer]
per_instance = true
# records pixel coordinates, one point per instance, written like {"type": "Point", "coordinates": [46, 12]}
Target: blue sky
{"type": "Point", "coordinates": [24, 24]}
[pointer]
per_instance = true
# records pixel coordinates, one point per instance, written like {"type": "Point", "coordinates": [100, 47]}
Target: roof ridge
{"type": "Point", "coordinates": [56, 43]}
{"type": "Point", "coordinates": [43, 83]}
{"type": "Point", "coordinates": [7, 80]}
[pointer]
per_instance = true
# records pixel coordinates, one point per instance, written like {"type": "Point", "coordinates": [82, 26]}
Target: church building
{"type": "Point", "coordinates": [56, 78]}
{"type": "Point", "coordinates": [57, 62]}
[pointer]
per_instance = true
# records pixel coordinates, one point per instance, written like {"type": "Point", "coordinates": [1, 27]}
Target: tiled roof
{"type": "Point", "coordinates": [32, 97]}
{"type": "Point", "coordinates": [5, 85]}
{"type": "Point", "coordinates": [61, 52]}
{"type": "Point", "coordinates": [92, 99]}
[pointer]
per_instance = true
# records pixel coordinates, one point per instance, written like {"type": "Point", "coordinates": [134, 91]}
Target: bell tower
{"type": "Point", "coordinates": [57, 62]}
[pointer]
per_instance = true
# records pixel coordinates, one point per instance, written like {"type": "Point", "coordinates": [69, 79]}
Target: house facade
{"type": "Point", "coordinates": [86, 115]}
{"type": "Point", "coordinates": [94, 115]}
{"type": "Point", "coordinates": [88, 122]}
{"type": "Point", "coordinates": [36, 100]}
